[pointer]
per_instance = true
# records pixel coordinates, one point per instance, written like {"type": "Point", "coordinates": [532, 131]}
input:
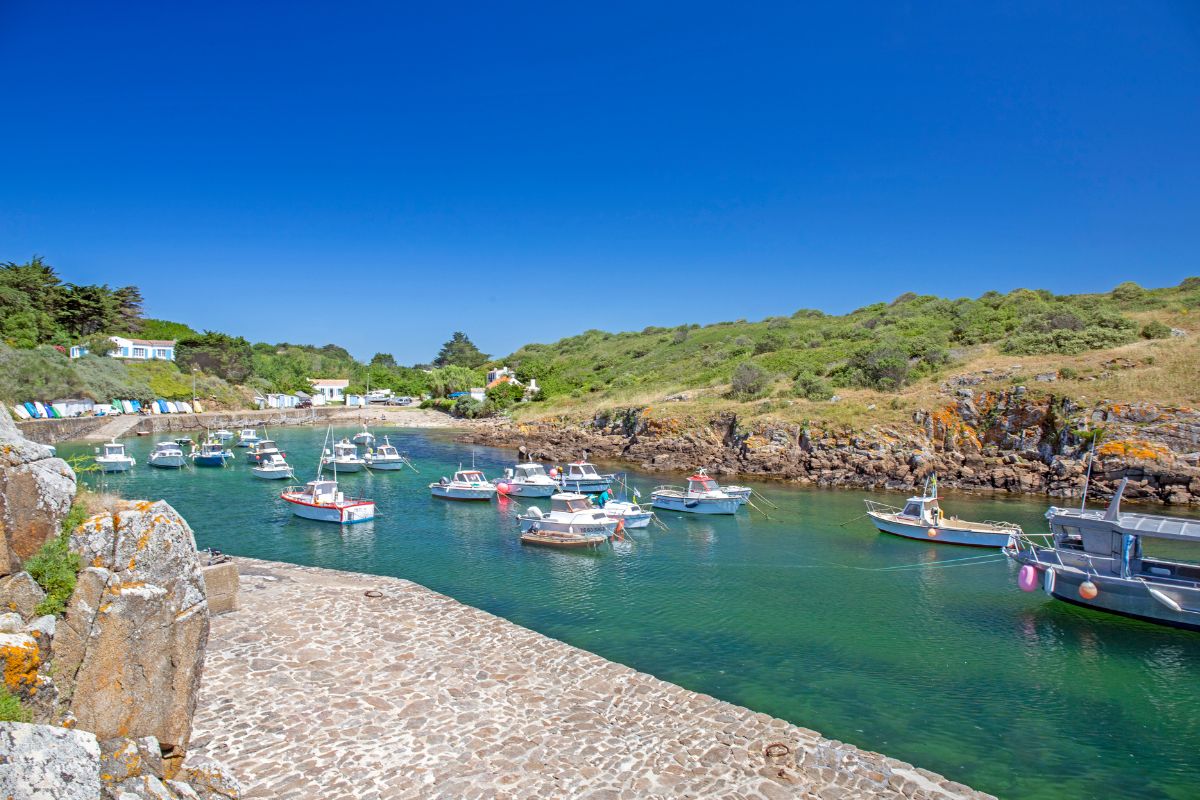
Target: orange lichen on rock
{"type": "Point", "coordinates": [1133, 448]}
{"type": "Point", "coordinates": [21, 659]}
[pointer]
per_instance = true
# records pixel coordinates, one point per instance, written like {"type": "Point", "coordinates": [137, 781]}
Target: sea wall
{"type": "Point", "coordinates": [1009, 441]}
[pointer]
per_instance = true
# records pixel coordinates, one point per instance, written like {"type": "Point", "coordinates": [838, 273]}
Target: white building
{"type": "Point", "coordinates": [497, 376]}
{"type": "Point", "coordinates": [135, 349]}
{"type": "Point", "coordinates": [277, 401]}
{"type": "Point", "coordinates": [328, 390]}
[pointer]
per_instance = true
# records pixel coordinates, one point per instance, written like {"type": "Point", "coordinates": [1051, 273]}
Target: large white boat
{"type": "Point", "coordinates": [323, 501]}
{"type": "Point", "coordinates": [112, 458]}
{"type": "Point", "coordinates": [583, 477]}
{"type": "Point", "coordinates": [467, 484]}
{"type": "Point", "coordinates": [527, 480]}
{"type": "Point", "coordinates": [167, 455]}
{"type": "Point", "coordinates": [247, 437]}
{"type": "Point", "coordinates": [922, 518]}
{"type": "Point", "coordinates": [273, 467]}
{"type": "Point", "coordinates": [571, 522]}
{"type": "Point", "coordinates": [343, 458]}
{"type": "Point", "coordinates": [386, 457]}
{"type": "Point", "coordinates": [703, 495]}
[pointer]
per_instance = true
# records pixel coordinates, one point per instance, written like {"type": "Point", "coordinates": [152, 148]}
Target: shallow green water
{"type": "Point", "coordinates": [944, 664]}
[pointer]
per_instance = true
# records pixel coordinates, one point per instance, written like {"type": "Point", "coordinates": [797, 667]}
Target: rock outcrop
{"type": "Point", "coordinates": [43, 762]}
{"type": "Point", "coordinates": [984, 441]}
{"type": "Point", "coordinates": [135, 627]}
{"type": "Point", "coordinates": [36, 490]}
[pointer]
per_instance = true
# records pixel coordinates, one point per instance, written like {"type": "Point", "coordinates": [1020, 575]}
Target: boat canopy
{"type": "Point", "coordinates": [702, 483]}
{"type": "Point", "coordinates": [1070, 520]}
{"type": "Point", "coordinates": [265, 444]}
{"type": "Point", "coordinates": [569, 502]}
{"type": "Point", "coordinates": [469, 476]}
{"type": "Point", "coordinates": [385, 449]}
{"type": "Point", "coordinates": [919, 507]}
{"type": "Point", "coordinates": [581, 468]}
{"type": "Point", "coordinates": [345, 448]}
{"type": "Point", "coordinates": [167, 447]}
{"type": "Point", "coordinates": [321, 490]}
{"type": "Point", "coordinates": [530, 471]}
{"type": "Point", "coordinates": [114, 449]}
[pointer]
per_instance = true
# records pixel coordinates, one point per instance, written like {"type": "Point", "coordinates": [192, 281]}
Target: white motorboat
{"type": "Point", "coordinates": [527, 480]}
{"type": "Point", "coordinates": [572, 522]}
{"type": "Point", "coordinates": [385, 457]}
{"type": "Point", "coordinates": [583, 477]}
{"type": "Point", "coordinates": [632, 514]}
{"type": "Point", "coordinates": [273, 467]}
{"type": "Point", "coordinates": [211, 454]}
{"type": "Point", "coordinates": [703, 495]}
{"type": "Point", "coordinates": [248, 437]}
{"type": "Point", "coordinates": [323, 501]}
{"type": "Point", "coordinates": [223, 436]}
{"type": "Point", "coordinates": [261, 450]}
{"type": "Point", "coordinates": [167, 455]}
{"type": "Point", "coordinates": [467, 484]}
{"type": "Point", "coordinates": [343, 458]}
{"type": "Point", "coordinates": [363, 437]}
{"type": "Point", "coordinates": [112, 457]}
{"type": "Point", "coordinates": [922, 518]}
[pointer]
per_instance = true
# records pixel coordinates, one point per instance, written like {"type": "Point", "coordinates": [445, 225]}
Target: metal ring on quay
{"type": "Point", "coordinates": [373, 593]}
{"type": "Point", "coordinates": [777, 750]}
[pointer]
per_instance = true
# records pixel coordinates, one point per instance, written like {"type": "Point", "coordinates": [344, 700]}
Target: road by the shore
{"type": "Point", "coordinates": [316, 688]}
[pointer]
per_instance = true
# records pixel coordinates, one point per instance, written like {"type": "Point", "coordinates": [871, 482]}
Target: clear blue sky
{"type": "Point", "coordinates": [381, 174]}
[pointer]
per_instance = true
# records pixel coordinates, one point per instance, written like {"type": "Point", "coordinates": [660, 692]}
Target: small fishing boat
{"type": "Point", "coordinates": [632, 514]}
{"type": "Point", "coordinates": [167, 455]}
{"type": "Point", "coordinates": [1096, 559]}
{"type": "Point", "coordinates": [273, 467]}
{"type": "Point", "coordinates": [211, 454]}
{"type": "Point", "coordinates": [527, 480]}
{"type": "Point", "coordinates": [572, 522]}
{"type": "Point", "coordinates": [247, 437]}
{"type": "Point", "coordinates": [583, 477]}
{"type": "Point", "coordinates": [703, 495]}
{"type": "Point", "coordinates": [467, 484]}
{"type": "Point", "coordinates": [343, 458]}
{"type": "Point", "coordinates": [223, 436]}
{"type": "Point", "coordinates": [363, 437]}
{"type": "Point", "coordinates": [323, 501]}
{"type": "Point", "coordinates": [922, 518]}
{"type": "Point", "coordinates": [185, 441]}
{"type": "Point", "coordinates": [386, 457]}
{"type": "Point", "coordinates": [261, 449]}
{"type": "Point", "coordinates": [113, 458]}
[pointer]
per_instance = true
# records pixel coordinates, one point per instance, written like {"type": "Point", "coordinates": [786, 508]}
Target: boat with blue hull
{"type": "Point", "coordinates": [211, 454]}
{"type": "Point", "coordinates": [1098, 559]}
{"type": "Point", "coordinates": [922, 518]}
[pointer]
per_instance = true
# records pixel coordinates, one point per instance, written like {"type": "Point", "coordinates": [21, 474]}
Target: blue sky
{"type": "Point", "coordinates": [381, 174]}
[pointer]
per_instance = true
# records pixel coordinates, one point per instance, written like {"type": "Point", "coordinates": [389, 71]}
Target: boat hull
{"type": "Point", "coordinates": [592, 486]}
{"type": "Point", "coordinates": [532, 489]}
{"type": "Point", "coordinates": [342, 513]}
{"type": "Point", "coordinates": [272, 474]}
{"type": "Point", "coordinates": [342, 468]}
{"type": "Point", "coordinates": [960, 536]}
{"type": "Point", "coordinates": [386, 465]}
{"type": "Point", "coordinates": [169, 462]}
{"type": "Point", "coordinates": [563, 541]}
{"type": "Point", "coordinates": [635, 520]}
{"type": "Point", "coordinates": [697, 505]}
{"type": "Point", "coordinates": [450, 493]}
{"type": "Point", "coordinates": [210, 461]}
{"type": "Point", "coordinates": [123, 465]}
{"type": "Point", "coordinates": [547, 526]}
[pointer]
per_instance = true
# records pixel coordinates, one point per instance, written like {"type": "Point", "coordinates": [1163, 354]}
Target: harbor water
{"type": "Point", "coordinates": [925, 652]}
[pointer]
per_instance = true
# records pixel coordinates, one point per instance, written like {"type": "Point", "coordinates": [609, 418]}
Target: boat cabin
{"type": "Point", "coordinates": [274, 460]}
{"type": "Point", "coordinates": [387, 450]}
{"type": "Point", "coordinates": [114, 450]}
{"type": "Point", "coordinates": [471, 476]}
{"type": "Point", "coordinates": [345, 449]}
{"type": "Point", "coordinates": [265, 445]}
{"type": "Point", "coordinates": [1112, 543]}
{"type": "Point", "coordinates": [322, 491]}
{"type": "Point", "coordinates": [702, 484]}
{"type": "Point", "coordinates": [247, 433]}
{"type": "Point", "coordinates": [167, 448]}
{"type": "Point", "coordinates": [581, 470]}
{"type": "Point", "coordinates": [570, 503]}
{"type": "Point", "coordinates": [922, 509]}
{"type": "Point", "coordinates": [527, 471]}
{"type": "Point", "coordinates": [212, 449]}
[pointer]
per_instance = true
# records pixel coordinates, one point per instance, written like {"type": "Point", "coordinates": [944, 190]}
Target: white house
{"type": "Point", "coordinates": [497, 376]}
{"type": "Point", "coordinates": [328, 390]}
{"type": "Point", "coordinates": [135, 349]}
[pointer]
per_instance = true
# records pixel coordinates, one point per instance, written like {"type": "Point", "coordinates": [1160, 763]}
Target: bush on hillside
{"type": "Point", "coordinates": [228, 357]}
{"type": "Point", "coordinates": [812, 387]}
{"type": "Point", "coordinates": [1155, 330]}
{"type": "Point", "coordinates": [42, 373]}
{"type": "Point", "coordinates": [749, 380]}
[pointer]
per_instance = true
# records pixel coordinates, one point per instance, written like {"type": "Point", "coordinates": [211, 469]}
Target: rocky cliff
{"type": "Point", "coordinates": [1008, 441]}
{"type": "Point", "coordinates": [108, 688]}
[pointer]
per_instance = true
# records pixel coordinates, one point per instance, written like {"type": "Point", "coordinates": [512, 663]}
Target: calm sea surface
{"type": "Point", "coordinates": [896, 646]}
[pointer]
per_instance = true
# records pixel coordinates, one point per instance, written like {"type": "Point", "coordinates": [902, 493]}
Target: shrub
{"type": "Point", "coordinates": [749, 380]}
{"type": "Point", "coordinates": [1155, 330]}
{"type": "Point", "coordinates": [54, 566]}
{"type": "Point", "coordinates": [812, 387]}
{"type": "Point", "coordinates": [681, 335]}
{"type": "Point", "coordinates": [1068, 373]}
{"type": "Point", "coordinates": [11, 709]}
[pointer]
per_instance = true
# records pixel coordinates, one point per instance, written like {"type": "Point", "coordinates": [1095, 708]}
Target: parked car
{"type": "Point", "coordinates": [304, 403]}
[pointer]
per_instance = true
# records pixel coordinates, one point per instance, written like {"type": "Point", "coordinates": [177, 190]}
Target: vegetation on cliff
{"type": "Point", "coordinates": [54, 566]}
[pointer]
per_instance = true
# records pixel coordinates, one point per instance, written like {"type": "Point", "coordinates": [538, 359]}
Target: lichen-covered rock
{"type": "Point", "coordinates": [36, 490]}
{"type": "Point", "coordinates": [143, 787]}
{"type": "Point", "coordinates": [43, 762]}
{"type": "Point", "coordinates": [11, 622]}
{"type": "Point", "coordinates": [211, 779]}
{"type": "Point", "coordinates": [20, 593]}
{"type": "Point", "coordinates": [20, 659]}
{"type": "Point", "coordinates": [122, 759]}
{"type": "Point", "coordinates": [132, 642]}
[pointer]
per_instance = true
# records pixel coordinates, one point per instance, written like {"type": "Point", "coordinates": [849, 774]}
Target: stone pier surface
{"type": "Point", "coordinates": [326, 684]}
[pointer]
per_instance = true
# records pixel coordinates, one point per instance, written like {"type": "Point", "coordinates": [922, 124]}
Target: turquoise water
{"type": "Point", "coordinates": [943, 663]}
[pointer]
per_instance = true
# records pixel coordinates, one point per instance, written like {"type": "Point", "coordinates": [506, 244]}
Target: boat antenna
{"type": "Point", "coordinates": [1095, 437]}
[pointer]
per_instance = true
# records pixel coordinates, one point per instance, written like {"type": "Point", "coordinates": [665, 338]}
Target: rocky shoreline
{"type": "Point", "coordinates": [980, 441]}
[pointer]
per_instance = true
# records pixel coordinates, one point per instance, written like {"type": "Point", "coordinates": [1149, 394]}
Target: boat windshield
{"type": "Point", "coordinates": [265, 444]}
{"type": "Point", "coordinates": [570, 504]}
{"type": "Point", "coordinates": [912, 509]}
{"type": "Point", "coordinates": [531, 470]}
{"type": "Point", "coordinates": [703, 485]}
{"type": "Point", "coordinates": [247, 433]}
{"type": "Point", "coordinates": [469, 477]}
{"type": "Point", "coordinates": [114, 449]}
{"type": "Point", "coordinates": [386, 450]}
{"type": "Point", "coordinates": [582, 469]}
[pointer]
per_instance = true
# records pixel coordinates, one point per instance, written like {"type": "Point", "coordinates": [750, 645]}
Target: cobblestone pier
{"type": "Point", "coordinates": [313, 689]}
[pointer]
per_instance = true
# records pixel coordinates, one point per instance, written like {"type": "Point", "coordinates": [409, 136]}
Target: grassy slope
{"type": "Point", "coordinates": [599, 370]}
